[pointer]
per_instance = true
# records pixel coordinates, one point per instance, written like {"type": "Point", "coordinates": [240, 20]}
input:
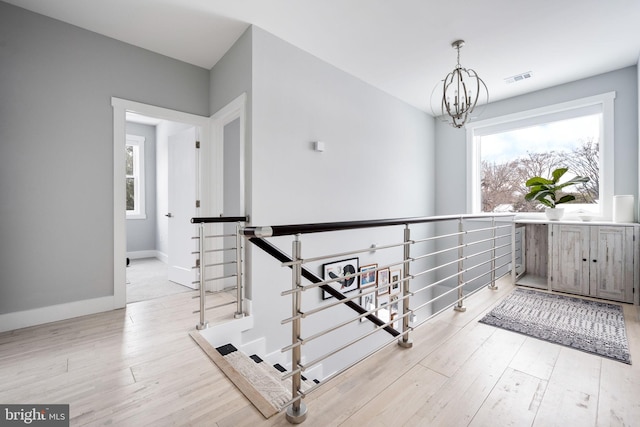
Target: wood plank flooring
{"type": "Point", "coordinates": [139, 366]}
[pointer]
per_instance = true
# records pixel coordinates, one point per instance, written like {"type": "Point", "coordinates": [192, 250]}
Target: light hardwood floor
{"type": "Point", "coordinates": [138, 366]}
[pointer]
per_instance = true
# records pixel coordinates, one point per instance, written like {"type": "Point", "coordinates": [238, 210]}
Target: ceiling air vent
{"type": "Point", "coordinates": [518, 77]}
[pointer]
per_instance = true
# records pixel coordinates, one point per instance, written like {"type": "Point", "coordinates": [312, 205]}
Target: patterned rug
{"type": "Point", "coordinates": [591, 326]}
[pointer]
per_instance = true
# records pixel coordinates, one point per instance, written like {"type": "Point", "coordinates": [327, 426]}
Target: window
{"type": "Point", "coordinates": [504, 152]}
{"type": "Point", "coordinates": [134, 170]}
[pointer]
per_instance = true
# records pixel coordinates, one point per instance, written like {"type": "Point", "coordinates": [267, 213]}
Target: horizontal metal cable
{"type": "Point", "coordinates": [453, 303]}
{"type": "Point", "coordinates": [213, 236]}
{"type": "Point", "coordinates": [458, 272]}
{"type": "Point", "coordinates": [350, 343]}
{"type": "Point", "coordinates": [216, 264]}
{"type": "Point", "coordinates": [343, 254]}
{"type": "Point", "coordinates": [442, 236]}
{"type": "Point", "coordinates": [211, 293]}
{"type": "Point", "coordinates": [342, 370]}
{"type": "Point", "coordinates": [304, 340]}
{"type": "Point", "coordinates": [216, 306]}
{"type": "Point", "coordinates": [214, 279]}
{"type": "Point", "coordinates": [209, 251]}
{"type": "Point", "coordinates": [455, 288]}
{"type": "Point", "coordinates": [495, 227]}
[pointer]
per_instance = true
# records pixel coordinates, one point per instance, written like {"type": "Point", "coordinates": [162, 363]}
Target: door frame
{"type": "Point", "coordinates": [235, 109]}
{"type": "Point", "coordinates": [207, 204]}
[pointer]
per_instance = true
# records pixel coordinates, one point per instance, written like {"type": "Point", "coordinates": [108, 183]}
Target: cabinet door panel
{"type": "Point", "coordinates": [611, 260]}
{"type": "Point", "coordinates": [570, 259]}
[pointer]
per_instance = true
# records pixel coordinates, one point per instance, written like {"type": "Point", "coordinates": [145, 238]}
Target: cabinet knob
{"type": "Point", "coordinates": [584, 259]}
{"type": "Point", "coordinates": [595, 260]}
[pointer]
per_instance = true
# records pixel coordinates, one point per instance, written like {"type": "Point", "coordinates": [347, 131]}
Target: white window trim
{"type": "Point", "coordinates": [605, 100]}
{"type": "Point", "coordinates": [140, 212]}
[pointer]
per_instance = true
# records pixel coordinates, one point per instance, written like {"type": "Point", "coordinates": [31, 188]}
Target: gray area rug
{"type": "Point", "coordinates": [591, 326]}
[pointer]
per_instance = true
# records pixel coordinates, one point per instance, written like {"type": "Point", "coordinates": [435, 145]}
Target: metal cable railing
{"type": "Point", "coordinates": [449, 265]}
{"type": "Point", "coordinates": [218, 247]}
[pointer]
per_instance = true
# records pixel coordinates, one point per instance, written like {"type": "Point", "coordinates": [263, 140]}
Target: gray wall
{"type": "Point", "coordinates": [141, 233]}
{"type": "Point", "coordinates": [230, 78]}
{"type": "Point", "coordinates": [378, 163]}
{"type": "Point", "coordinates": [56, 151]}
{"type": "Point", "coordinates": [451, 173]}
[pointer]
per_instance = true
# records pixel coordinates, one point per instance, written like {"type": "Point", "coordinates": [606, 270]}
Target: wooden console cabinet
{"type": "Point", "coordinates": [598, 260]}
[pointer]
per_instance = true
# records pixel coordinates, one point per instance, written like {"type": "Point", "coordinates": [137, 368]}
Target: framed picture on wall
{"type": "Point", "coordinates": [367, 300]}
{"type": "Point", "coordinates": [338, 270]}
{"type": "Point", "coordinates": [396, 276]}
{"type": "Point", "coordinates": [368, 275]}
{"type": "Point", "coordinates": [383, 281]}
{"type": "Point", "coordinates": [383, 307]}
{"type": "Point", "coordinates": [393, 304]}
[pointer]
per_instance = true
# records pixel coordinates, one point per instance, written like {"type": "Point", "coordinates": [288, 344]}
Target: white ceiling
{"type": "Point", "coordinates": [402, 47]}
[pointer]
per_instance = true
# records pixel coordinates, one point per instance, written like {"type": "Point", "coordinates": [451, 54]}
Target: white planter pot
{"type": "Point", "coordinates": [554, 214]}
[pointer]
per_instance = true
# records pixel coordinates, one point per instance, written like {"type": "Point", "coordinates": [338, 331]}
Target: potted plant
{"type": "Point", "coordinates": [547, 191]}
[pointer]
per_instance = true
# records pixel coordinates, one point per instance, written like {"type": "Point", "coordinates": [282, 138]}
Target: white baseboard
{"type": "Point", "coordinates": [162, 257]}
{"type": "Point", "coordinates": [152, 253]}
{"type": "Point", "coordinates": [53, 313]}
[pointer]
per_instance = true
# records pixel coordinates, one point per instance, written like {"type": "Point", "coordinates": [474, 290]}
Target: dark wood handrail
{"type": "Point", "coordinates": [219, 219]}
{"type": "Point", "coordinates": [288, 230]}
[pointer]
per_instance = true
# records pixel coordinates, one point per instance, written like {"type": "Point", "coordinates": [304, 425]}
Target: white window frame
{"type": "Point", "coordinates": [603, 103]}
{"type": "Point", "coordinates": [137, 142]}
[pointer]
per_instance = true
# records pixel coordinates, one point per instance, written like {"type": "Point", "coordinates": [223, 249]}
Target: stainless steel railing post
{"type": "Point", "coordinates": [493, 285]}
{"type": "Point", "coordinates": [297, 411]}
{"type": "Point", "coordinates": [460, 306]}
{"type": "Point", "coordinates": [201, 244]}
{"type": "Point", "coordinates": [513, 252]}
{"type": "Point", "coordinates": [405, 341]}
{"type": "Point", "coordinates": [239, 276]}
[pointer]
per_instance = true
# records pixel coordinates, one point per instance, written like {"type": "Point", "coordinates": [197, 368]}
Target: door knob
{"type": "Point", "coordinates": [169, 215]}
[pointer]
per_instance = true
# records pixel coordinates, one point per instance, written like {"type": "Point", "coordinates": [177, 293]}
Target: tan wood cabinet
{"type": "Point", "coordinates": [599, 260]}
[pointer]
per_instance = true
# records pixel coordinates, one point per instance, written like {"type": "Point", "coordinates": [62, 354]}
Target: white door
{"type": "Point", "coordinates": [182, 171]}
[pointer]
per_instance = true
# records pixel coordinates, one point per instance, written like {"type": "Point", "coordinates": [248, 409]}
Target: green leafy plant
{"type": "Point", "coordinates": [546, 191]}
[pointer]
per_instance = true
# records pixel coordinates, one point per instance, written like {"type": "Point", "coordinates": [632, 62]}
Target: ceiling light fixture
{"type": "Point", "coordinates": [461, 90]}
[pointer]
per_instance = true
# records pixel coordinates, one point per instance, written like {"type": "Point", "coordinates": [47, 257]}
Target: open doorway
{"type": "Point", "coordinates": [161, 177]}
{"type": "Point", "coordinates": [165, 126]}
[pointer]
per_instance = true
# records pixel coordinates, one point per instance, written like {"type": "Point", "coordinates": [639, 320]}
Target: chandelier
{"type": "Point", "coordinates": [461, 90]}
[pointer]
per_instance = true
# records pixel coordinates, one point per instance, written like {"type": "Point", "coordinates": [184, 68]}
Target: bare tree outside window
{"type": "Point", "coordinates": [130, 178]}
{"type": "Point", "coordinates": [505, 170]}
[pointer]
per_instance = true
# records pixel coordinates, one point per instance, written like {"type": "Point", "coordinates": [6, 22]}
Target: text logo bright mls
{"type": "Point", "coordinates": [36, 415]}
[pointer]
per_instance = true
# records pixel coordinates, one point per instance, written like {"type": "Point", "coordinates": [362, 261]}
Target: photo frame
{"type": "Point", "coordinates": [383, 281]}
{"type": "Point", "coordinates": [367, 301]}
{"type": "Point", "coordinates": [393, 304]}
{"type": "Point", "coordinates": [395, 280]}
{"type": "Point", "coordinates": [383, 307]}
{"type": "Point", "coordinates": [368, 275]}
{"type": "Point", "coordinates": [338, 269]}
